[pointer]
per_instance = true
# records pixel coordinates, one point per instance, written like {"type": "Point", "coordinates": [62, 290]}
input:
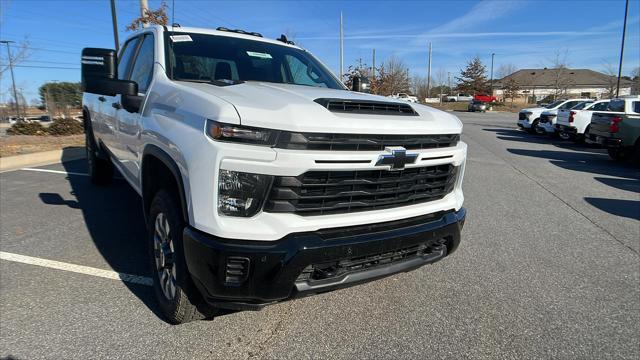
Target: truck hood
{"type": "Point", "coordinates": [292, 107]}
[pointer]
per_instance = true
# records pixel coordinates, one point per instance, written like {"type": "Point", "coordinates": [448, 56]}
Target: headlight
{"type": "Point", "coordinates": [242, 134]}
{"type": "Point", "coordinates": [241, 194]}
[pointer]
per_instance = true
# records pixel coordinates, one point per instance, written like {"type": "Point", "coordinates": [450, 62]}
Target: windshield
{"type": "Point", "coordinates": [554, 104]}
{"type": "Point", "coordinates": [202, 57]}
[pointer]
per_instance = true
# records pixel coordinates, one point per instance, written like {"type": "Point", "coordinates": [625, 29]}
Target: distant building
{"type": "Point", "coordinates": [537, 84]}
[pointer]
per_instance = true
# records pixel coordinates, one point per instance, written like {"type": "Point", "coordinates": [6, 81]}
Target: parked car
{"type": "Point", "coordinates": [618, 129]}
{"type": "Point", "coordinates": [485, 98]}
{"type": "Point", "coordinates": [477, 105]}
{"type": "Point", "coordinates": [459, 97]}
{"type": "Point", "coordinates": [405, 96]}
{"type": "Point", "coordinates": [530, 118]}
{"type": "Point", "coordinates": [261, 177]}
{"type": "Point", "coordinates": [573, 124]}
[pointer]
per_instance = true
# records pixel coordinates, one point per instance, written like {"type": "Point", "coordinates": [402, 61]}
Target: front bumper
{"type": "Point", "coordinates": [548, 127]}
{"type": "Point", "coordinates": [524, 124]}
{"type": "Point", "coordinates": [312, 262]}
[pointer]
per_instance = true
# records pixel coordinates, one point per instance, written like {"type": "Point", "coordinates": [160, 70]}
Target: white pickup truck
{"type": "Point", "coordinates": [262, 178]}
{"type": "Point", "coordinates": [531, 119]}
{"type": "Point", "coordinates": [405, 96]}
{"type": "Point", "coordinates": [459, 97]}
{"type": "Point", "coordinates": [573, 124]}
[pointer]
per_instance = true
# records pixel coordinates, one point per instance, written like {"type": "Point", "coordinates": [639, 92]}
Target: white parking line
{"type": "Point", "coordinates": [55, 171]}
{"type": "Point", "coordinates": [80, 269]}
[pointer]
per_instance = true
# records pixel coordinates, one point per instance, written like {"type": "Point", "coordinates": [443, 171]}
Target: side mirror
{"type": "Point", "coordinates": [100, 74]}
{"type": "Point", "coordinates": [360, 84]}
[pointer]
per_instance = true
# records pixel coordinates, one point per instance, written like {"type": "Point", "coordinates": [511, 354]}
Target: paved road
{"type": "Point", "coordinates": [548, 268]}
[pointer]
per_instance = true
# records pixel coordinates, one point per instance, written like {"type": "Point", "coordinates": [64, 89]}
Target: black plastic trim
{"type": "Point", "coordinates": [152, 150]}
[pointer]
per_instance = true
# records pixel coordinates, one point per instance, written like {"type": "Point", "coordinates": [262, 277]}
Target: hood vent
{"type": "Point", "coordinates": [366, 107]}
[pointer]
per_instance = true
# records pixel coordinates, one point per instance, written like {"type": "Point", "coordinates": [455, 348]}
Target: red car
{"type": "Point", "coordinates": [484, 98]}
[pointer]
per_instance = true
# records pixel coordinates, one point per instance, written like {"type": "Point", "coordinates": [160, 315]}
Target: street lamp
{"type": "Point", "coordinates": [13, 80]}
{"type": "Point", "coordinates": [492, 56]}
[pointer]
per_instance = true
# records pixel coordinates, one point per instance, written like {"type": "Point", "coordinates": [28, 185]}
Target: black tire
{"type": "Point", "coordinates": [100, 170]}
{"type": "Point", "coordinates": [636, 154]}
{"type": "Point", "coordinates": [534, 126]}
{"type": "Point", "coordinates": [617, 154]}
{"type": "Point", "coordinates": [168, 264]}
{"type": "Point", "coordinates": [580, 138]}
{"type": "Point", "coordinates": [565, 136]}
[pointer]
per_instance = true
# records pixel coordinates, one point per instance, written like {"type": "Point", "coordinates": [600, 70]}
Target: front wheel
{"type": "Point", "coordinates": [564, 136]}
{"type": "Point", "coordinates": [177, 296]}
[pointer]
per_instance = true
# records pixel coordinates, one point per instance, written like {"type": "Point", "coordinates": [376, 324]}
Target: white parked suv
{"type": "Point", "coordinates": [532, 119]}
{"type": "Point", "coordinates": [262, 178]}
{"type": "Point", "coordinates": [573, 124]}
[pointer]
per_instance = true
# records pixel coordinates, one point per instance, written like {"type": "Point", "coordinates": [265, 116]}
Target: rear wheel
{"type": "Point", "coordinates": [100, 170]}
{"type": "Point", "coordinates": [617, 154]}
{"type": "Point", "coordinates": [564, 136]}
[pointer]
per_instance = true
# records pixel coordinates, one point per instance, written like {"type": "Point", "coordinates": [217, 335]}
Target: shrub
{"type": "Point", "coordinates": [27, 128]}
{"type": "Point", "coordinates": [61, 127]}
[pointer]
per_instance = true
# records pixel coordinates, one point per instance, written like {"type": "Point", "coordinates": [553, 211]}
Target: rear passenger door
{"type": "Point", "coordinates": [129, 123]}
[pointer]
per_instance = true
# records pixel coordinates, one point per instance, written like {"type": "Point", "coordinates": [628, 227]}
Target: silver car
{"type": "Point", "coordinates": [477, 105]}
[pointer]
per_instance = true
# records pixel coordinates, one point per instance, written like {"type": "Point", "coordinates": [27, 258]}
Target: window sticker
{"type": "Point", "coordinates": [259, 55]}
{"type": "Point", "coordinates": [180, 38]}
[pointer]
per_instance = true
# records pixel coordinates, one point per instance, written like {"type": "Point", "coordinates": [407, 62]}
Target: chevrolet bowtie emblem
{"type": "Point", "coordinates": [397, 159]}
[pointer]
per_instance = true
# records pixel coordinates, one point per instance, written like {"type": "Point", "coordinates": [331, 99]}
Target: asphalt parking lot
{"type": "Point", "coordinates": [549, 267]}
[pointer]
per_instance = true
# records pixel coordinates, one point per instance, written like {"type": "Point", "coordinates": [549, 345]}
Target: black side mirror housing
{"type": "Point", "coordinates": [100, 73]}
{"type": "Point", "coordinates": [360, 84]}
{"type": "Point", "coordinates": [131, 103]}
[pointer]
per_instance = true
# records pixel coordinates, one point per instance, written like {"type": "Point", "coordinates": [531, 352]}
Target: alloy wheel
{"type": "Point", "coordinates": [164, 256]}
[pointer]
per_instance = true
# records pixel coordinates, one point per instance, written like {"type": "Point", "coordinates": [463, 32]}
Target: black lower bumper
{"type": "Point", "coordinates": [566, 129]}
{"type": "Point", "coordinates": [605, 141]}
{"type": "Point", "coordinates": [243, 274]}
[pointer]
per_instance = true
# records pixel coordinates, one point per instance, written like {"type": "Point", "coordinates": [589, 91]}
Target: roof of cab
{"type": "Point", "coordinates": [195, 30]}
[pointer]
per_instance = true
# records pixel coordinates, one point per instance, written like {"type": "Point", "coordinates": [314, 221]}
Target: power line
{"type": "Point", "coordinates": [44, 67]}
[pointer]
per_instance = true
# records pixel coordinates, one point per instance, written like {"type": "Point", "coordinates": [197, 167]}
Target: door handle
{"type": "Point", "coordinates": [102, 99]}
{"type": "Point", "coordinates": [117, 106]}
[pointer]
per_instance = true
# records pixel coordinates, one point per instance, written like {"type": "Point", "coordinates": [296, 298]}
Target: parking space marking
{"type": "Point", "coordinates": [55, 171]}
{"type": "Point", "coordinates": [80, 269]}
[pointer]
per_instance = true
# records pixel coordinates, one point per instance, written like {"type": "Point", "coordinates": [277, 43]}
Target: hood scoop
{"type": "Point", "coordinates": [366, 107]}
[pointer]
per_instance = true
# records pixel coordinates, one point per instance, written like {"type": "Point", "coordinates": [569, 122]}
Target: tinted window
{"type": "Point", "coordinates": [636, 106]}
{"type": "Point", "coordinates": [554, 104]}
{"type": "Point", "coordinates": [581, 105]}
{"type": "Point", "coordinates": [201, 57]}
{"type": "Point", "coordinates": [569, 105]}
{"type": "Point", "coordinates": [616, 105]}
{"type": "Point", "coordinates": [143, 66]}
{"type": "Point", "coordinates": [600, 106]}
{"type": "Point", "coordinates": [124, 60]}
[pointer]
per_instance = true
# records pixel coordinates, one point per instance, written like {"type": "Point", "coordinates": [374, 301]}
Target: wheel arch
{"type": "Point", "coordinates": [159, 170]}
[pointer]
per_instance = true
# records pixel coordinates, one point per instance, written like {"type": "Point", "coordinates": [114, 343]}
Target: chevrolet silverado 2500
{"type": "Point", "coordinates": [262, 177]}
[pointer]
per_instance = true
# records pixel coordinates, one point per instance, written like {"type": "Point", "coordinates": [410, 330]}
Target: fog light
{"type": "Point", "coordinates": [241, 194]}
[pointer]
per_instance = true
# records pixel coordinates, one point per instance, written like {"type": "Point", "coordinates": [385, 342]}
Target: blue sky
{"type": "Point", "coordinates": [524, 33]}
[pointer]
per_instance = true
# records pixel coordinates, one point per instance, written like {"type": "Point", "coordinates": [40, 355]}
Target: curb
{"type": "Point", "coordinates": [41, 158]}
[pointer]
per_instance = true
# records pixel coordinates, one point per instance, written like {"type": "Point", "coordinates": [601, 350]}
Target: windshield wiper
{"type": "Point", "coordinates": [224, 82]}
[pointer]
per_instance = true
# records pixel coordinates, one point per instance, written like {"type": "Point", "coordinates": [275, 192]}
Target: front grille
{"type": "Point", "coordinates": [338, 192]}
{"type": "Point", "coordinates": [367, 107]}
{"type": "Point", "coordinates": [360, 142]}
{"type": "Point", "coordinates": [522, 116]}
{"type": "Point", "coordinates": [316, 272]}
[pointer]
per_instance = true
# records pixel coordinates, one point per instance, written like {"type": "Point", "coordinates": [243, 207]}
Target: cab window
{"type": "Point", "coordinates": [143, 66]}
{"type": "Point", "coordinates": [126, 55]}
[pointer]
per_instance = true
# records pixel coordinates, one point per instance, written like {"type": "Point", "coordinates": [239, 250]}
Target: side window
{"type": "Point", "coordinates": [600, 106]}
{"type": "Point", "coordinates": [143, 66]}
{"type": "Point", "coordinates": [124, 60]}
{"type": "Point", "coordinates": [616, 105]}
{"type": "Point", "coordinates": [636, 107]}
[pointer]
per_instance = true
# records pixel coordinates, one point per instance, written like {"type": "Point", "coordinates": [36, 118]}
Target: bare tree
{"type": "Point", "coordinates": [19, 52]}
{"type": "Point", "coordinates": [420, 87]}
{"type": "Point", "coordinates": [157, 16]}
{"type": "Point", "coordinates": [393, 77]}
{"type": "Point", "coordinates": [612, 79]}
{"type": "Point", "coordinates": [510, 88]}
{"type": "Point", "coordinates": [561, 79]}
{"type": "Point", "coordinates": [635, 78]}
{"type": "Point", "coordinates": [505, 70]}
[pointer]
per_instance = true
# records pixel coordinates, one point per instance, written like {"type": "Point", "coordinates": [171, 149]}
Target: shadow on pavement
{"type": "Point", "coordinates": [632, 185]}
{"type": "Point", "coordinates": [625, 208]}
{"type": "Point", "coordinates": [114, 219]}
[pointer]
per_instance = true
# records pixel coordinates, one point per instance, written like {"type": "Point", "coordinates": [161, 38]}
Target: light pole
{"type": "Point", "coordinates": [492, 56]}
{"type": "Point", "coordinates": [624, 31]}
{"type": "Point", "coordinates": [13, 80]}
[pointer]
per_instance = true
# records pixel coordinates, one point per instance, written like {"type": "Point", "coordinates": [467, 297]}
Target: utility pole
{"type": "Point", "coordinates": [373, 71]}
{"type": "Point", "coordinates": [429, 74]}
{"type": "Point", "coordinates": [449, 75]}
{"type": "Point", "coordinates": [492, 56]}
{"type": "Point", "coordinates": [144, 7]}
{"type": "Point", "coordinates": [114, 21]}
{"type": "Point", "coordinates": [13, 80]}
{"type": "Point", "coordinates": [624, 31]}
{"type": "Point", "coordinates": [341, 48]}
